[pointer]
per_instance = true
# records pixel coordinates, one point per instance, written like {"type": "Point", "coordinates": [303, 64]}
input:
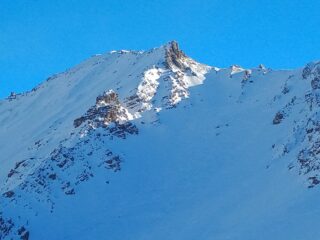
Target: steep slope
{"type": "Point", "coordinates": [133, 145]}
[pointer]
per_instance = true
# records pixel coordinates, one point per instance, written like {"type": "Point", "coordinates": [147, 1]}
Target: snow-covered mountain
{"type": "Point", "coordinates": [153, 145]}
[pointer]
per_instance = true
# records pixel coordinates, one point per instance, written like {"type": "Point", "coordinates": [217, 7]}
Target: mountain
{"type": "Point", "coordinates": [154, 145]}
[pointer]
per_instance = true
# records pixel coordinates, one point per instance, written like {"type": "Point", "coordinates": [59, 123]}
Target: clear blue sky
{"type": "Point", "coordinates": [41, 37]}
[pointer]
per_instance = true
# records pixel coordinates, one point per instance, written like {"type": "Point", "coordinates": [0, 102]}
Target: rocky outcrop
{"type": "Point", "coordinates": [174, 56]}
{"type": "Point", "coordinates": [182, 69]}
{"type": "Point", "coordinates": [23, 233]}
{"type": "Point", "coordinates": [278, 118]}
{"type": "Point", "coordinates": [304, 143]}
{"type": "Point", "coordinates": [311, 69]}
{"type": "Point", "coordinates": [312, 72]}
{"type": "Point", "coordinates": [106, 110]}
{"type": "Point", "coordinates": [6, 225]}
{"type": "Point", "coordinates": [309, 155]}
{"type": "Point", "coordinates": [315, 83]}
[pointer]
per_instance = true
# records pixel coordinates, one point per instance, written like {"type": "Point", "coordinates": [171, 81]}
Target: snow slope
{"type": "Point", "coordinates": [153, 145]}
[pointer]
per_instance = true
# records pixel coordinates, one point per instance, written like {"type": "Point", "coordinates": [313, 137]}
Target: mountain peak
{"type": "Point", "coordinates": [155, 140]}
{"type": "Point", "coordinates": [173, 47]}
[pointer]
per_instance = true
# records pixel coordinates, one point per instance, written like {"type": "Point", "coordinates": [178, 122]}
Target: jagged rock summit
{"type": "Point", "coordinates": [154, 145]}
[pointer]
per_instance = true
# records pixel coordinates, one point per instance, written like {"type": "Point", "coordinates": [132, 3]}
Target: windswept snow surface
{"type": "Point", "coordinates": [153, 145]}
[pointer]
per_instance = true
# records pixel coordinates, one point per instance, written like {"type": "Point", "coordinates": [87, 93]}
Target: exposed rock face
{"type": "Point", "coordinates": [12, 96]}
{"type": "Point", "coordinates": [8, 194]}
{"type": "Point", "coordinates": [110, 114]}
{"type": "Point", "coordinates": [309, 156]}
{"type": "Point", "coordinates": [174, 56]}
{"type": "Point", "coordinates": [23, 233]}
{"type": "Point", "coordinates": [315, 83]}
{"type": "Point", "coordinates": [5, 227]}
{"type": "Point", "coordinates": [304, 143]}
{"type": "Point", "coordinates": [311, 70]}
{"type": "Point", "coordinates": [107, 110]}
{"type": "Point", "coordinates": [278, 118]}
{"type": "Point", "coordinates": [183, 69]}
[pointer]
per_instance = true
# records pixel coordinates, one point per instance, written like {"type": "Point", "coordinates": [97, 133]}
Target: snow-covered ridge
{"type": "Point", "coordinates": [178, 72]}
{"type": "Point", "coordinates": [107, 91]}
{"type": "Point", "coordinates": [155, 140]}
